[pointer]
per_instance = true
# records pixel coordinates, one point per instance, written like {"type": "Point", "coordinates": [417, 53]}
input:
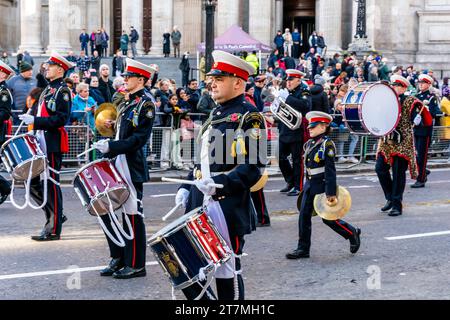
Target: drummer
{"type": "Point", "coordinates": [234, 164]}
{"type": "Point", "coordinates": [136, 114]}
{"type": "Point", "coordinates": [6, 103]}
{"type": "Point", "coordinates": [48, 123]}
{"type": "Point", "coordinates": [320, 153]}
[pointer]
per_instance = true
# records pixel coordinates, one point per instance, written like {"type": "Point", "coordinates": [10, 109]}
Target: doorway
{"type": "Point", "coordinates": [117, 24]}
{"type": "Point", "coordinates": [300, 14]}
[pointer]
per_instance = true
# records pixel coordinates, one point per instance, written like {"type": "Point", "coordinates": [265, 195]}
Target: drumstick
{"type": "Point", "coordinates": [86, 152]}
{"type": "Point", "coordinates": [171, 212]}
{"type": "Point", "coordinates": [192, 183]}
{"type": "Point", "coordinates": [21, 124]}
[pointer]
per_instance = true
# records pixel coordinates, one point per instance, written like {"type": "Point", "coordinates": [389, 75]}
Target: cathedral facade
{"type": "Point", "coordinates": [406, 31]}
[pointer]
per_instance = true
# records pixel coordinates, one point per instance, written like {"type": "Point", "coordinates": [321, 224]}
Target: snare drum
{"type": "Point", "coordinates": [21, 153]}
{"type": "Point", "coordinates": [97, 183]}
{"type": "Point", "coordinates": [187, 245]}
{"type": "Point", "coordinates": [371, 109]}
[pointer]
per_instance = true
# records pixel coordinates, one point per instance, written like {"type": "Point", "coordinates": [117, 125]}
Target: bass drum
{"type": "Point", "coordinates": [371, 109]}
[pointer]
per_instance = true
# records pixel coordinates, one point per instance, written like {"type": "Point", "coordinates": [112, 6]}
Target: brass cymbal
{"type": "Point", "coordinates": [261, 182]}
{"type": "Point", "coordinates": [336, 212]}
{"type": "Point", "coordinates": [106, 112]}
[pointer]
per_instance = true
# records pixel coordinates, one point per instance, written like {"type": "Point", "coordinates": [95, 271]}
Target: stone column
{"type": "Point", "coordinates": [162, 21]}
{"type": "Point", "coordinates": [329, 22]}
{"type": "Point", "coordinates": [279, 8]}
{"type": "Point", "coordinates": [227, 15]}
{"type": "Point", "coordinates": [30, 26]}
{"type": "Point", "coordinates": [191, 34]}
{"type": "Point", "coordinates": [59, 32]}
{"type": "Point", "coordinates": [261, 26]}
{"type": "Point", "coordinates": [133, 15]}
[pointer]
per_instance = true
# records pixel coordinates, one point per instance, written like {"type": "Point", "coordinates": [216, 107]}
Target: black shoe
{"type": "Point", "coordinates": [287, 188]}
{"type": "Point", "coordinates": [297, 254]}
{"type": "Point", "coordinates": [260, 225]}
{"type": "Point", "coordinates": [294, 193]}
{"type": "Point", "coordinates": [418, 185]}
{"type": "Point", "coordinates": [395, 213]}
{"type": "Point", "coordinates": [355, 241]}
{"type": "Point", "coordinates": [3, 198]}
{"type": "Point", "coordinates": [63, 219]}
{"type": "Point", "coordinates": [46, 237]}
{"type": "Point", "coordinates": [128, 273]}
{"type": "Point", "coordinates": [387, 206]}
{"type": "Point", "coordinates": [428, 172]}
{"type": "Point", "coordinates": [114, 266]}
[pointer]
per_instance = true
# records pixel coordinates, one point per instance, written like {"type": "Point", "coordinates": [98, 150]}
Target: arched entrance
{"type": "Point", "coordinates": [300, 14]}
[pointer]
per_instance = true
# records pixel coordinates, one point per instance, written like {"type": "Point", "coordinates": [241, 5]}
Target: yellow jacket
{"type": "Point", "coordinates": [253, 60]}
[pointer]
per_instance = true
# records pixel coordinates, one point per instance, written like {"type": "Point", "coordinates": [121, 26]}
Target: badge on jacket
{"type": "Point", "coordinates": [4, 98]}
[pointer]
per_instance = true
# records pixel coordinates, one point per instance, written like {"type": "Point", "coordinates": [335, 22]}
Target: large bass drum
{"type": "Point", "coordinates": [371, 109]}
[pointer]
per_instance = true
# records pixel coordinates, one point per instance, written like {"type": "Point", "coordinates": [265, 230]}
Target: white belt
{"type": "Point", "coordinates": [315, 172]}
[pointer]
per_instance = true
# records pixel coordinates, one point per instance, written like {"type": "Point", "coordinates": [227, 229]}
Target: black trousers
{"type": "Point", "coordinates": [259, 202]}
{"type": "Point", "coordinates": [133, 254]}
{"type": "Point", "coordinates": [304, 223]}
{"type": "Point", "coordinates": [293, 174]}
{"type": "Point", "coordinates": [225, 287]}
{"type": "Point", "coordinates": [422, 145]}
{"type": "Point", "coordinates": [393, 187]}
{"type": "Point", "coordinates": [54, 207]}
{"type": "Point", "coordinates": [5, 186]}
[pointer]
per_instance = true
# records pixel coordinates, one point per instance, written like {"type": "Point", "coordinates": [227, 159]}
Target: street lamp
{"type": "Point", "coordinates": [361, 20]}
{"type": "Point", "coordinates": [210, 8]}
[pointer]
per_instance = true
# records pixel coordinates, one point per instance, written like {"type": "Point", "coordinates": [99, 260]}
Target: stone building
{"type": "Point", "coordinates": [407, 31]}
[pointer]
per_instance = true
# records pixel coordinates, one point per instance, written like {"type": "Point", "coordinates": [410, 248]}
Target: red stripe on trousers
{"type": "Point", "coordinates": [302, 173]}
{"type": "Point", "coordinates": [262, 206]}
{"type": "Point", "coordinates": [55, 206]}
{"type": "Point", "coordinates": [134, 244]}
{"type": "Point", "coordinates": [237, 245]}
{"type": "Point", "coordinates": [351, 233]}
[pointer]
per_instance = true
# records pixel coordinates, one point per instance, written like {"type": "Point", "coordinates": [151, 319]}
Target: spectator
{"type": "Point", "coordinates": [321, 44]}
{"type": "Point", "coordinates": [206, 103]}
{"type": "Point", "coordinates": [105, 85]}
{"type": "Point", "coordinates": [72, 58]}
{"type": "Point", "coordinates": [5, 58]}
{"type": "Point", "coordinates": [260, 82]}
{"type": "Point", "coordinates": [94, 92]}
{"type": "Point", "coordinates": [445, 91]}
{"type": "Point", "coordinates": [76, 81]}
{"type": "Point", "coordinates": [273, 58]}
{"type": "Point", "coordinates": [118, 64]}
{"type": "Point", "coordinates": [384, 70]}
{"type": "Point", "coordinates": [249, 94]}
{"type": "Point", "coordinates": [279, 42]}
{"type": "Point", "coordinates": [33, 100]}
{"type": "Point", "coordinates": [183, 99]}
{"type": "Point", "coordinates": [202, 67]}
{"type": "Point", "coordinates": [99, 42]}
{"type": "Point", "coordinates": [83, 64]}
{"type": "Point", "coordinates": [373, 75]}
{"type": "Point", "coordinates": [314, 41]}
{"type": "Point", "coordinates": [84, 41]}
{"type": "Point", "coordinates": [187, 127]}
{"type": "Point", "coordinates": [105, 41]}
{"type": "Point", "coordinates": [335, 60]}
{"type": "Point", "coordinates": [319, 98]}
{"type": "Point", "coordinates": [119, 90]}
{"type": "Point", "coordinates": [297, 44]}
{"type": "Point", "coordinates": [253, 60]}
{"type": "Point", "coordinates": [175, 109]}
{"type": "Point", "coordinates": [96, 60]}
{"type": "Point", "coordinates": [166, 44]}
{"type": "Point", "coordinates": [124, 41]}
{"type": "Point", "coordinates": [20, 86]}
{"type": "Point", "coordinates": [193, 96]}
{"type": "Point", "coordinates": [176, 41]}
{"type": "Point", "coordinates": [42, 82]}
{"type": "Point", "coordinates": [287, 45]}
{"type": "Point", "coordinates": [185, 69]}
{"type": "Point", "coordinates": [92, 42]}
{"type": "Point", "coordinates": [83, 107]}
{"type": "Point", "coordinates": [134, 37]}
{"type": "Point", "coordinates": [289, 62]}
{"type": "Point", "coordinates": [341, 79]}
{"type": "Point", "coordinates": [19, 58]}
{"type": "Point", "coordinates": [28, 58]}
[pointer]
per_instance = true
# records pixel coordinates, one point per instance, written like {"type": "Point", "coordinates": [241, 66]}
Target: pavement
{"type": "Point", "coordinates": [400, 258]}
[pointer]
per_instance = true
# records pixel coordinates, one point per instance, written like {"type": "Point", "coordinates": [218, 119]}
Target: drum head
{"type": "Point", "coordinates": [22, 171]}
{"type": "Point", "coordinates": [380, 110]}
{"type": "Point", "coordinates": [100, 204]}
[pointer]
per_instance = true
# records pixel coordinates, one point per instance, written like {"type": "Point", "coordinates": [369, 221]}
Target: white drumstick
{"type": "Point", "coordinates": [21, 124]}
{"type": "Point", "coordinates": [86, 152]}
{"type": "Point", "coordinates": [171, 212]}
{"type": "Point", "coordinates": [192, 183]}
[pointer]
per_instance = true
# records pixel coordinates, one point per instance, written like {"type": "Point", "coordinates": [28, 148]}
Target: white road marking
{"type": "Point", "coordinates": [56, 272]}
{"type": "Point", "coordinates": [419, 235]}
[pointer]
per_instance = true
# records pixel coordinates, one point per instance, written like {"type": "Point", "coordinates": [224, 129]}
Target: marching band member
{"type": "Point", "coordinates": [291, 142]}
{"type": "Point", "coordinates": [320, 153]}
{"type": "Point", "coordinates": [397, 151]}
{"type": "Point", "coordinates": [229, 138]}
{"type": "Point", "coordinates": [48, 122]}
{"type": "Point", "coordinates": [6, 103]}
{"type": "Point", "coordinates": [133, 128]}
{"type": "Point", "coordinates": [423, 129]}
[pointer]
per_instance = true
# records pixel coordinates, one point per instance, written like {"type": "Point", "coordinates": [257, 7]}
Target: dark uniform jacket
{"type": "Point", "coordinates": [6, 104]}
{"type": "Point", "coordinates": [135, 119]}
{"type": "Point", "coordinates": [319, 155]}
{"type": "Point", "coordinates": [300, 100]}
{"type": "Point", "coordinates": [58, 103]}
{"type": "Point", "coordinates": [234, 198]}
{"type": "Point", "coordinates": [423, 129]}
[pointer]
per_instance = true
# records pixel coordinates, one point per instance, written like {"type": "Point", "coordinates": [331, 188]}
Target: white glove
{"type": "Point", "coordinates": [283, 94]}
{"type": "Point", "coordinates": [102, 146]}
{"type": "Point", "coordinates": [27, 119]}
{"type": "Point", "coordinates": [182, 197]}
{"type": "Point", "coordinates": [203, 186]}
{"type": "Point", "coordinates": [418, 120]}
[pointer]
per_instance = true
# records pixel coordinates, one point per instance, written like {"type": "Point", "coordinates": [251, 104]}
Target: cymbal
{"type": "Point", "coordinates": [261, 182]}
{"type": "Point", "coordinates": [106, 112]}
{"type": "Point", "coordinates": [336, 212]}
{"type": "Point", "coordinates": [299, 204]}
